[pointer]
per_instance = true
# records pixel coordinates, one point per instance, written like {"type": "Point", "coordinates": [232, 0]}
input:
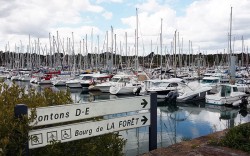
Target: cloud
{"type": "Point", "coordinates": [204, 22]}
{"type": "Point", "coordinates": [109, 1]}
{"type": "Point", "coordinates": [207, 22]}
{"type": "Point", "coordinates": [37, 18]}
{"type": "Point", "coordinates": [107, 15]}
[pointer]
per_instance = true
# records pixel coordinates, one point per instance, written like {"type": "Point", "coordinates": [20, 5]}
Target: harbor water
{"type": "Point", "coordinates": [176, 122]}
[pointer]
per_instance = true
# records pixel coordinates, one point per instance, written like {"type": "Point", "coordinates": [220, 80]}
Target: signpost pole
{"type": "Point", "coordinates": [153, 122]}
{"type": "Point", "coordinates": [20, 110]}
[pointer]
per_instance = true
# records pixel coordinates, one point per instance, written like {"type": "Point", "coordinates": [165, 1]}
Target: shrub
{"type": "Point", "coordinates": [238, 138]}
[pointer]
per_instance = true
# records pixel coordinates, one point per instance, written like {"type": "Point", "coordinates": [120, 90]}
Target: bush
{"type": "Point", "coordinates": [238, 138]}
{"type": "Point", "coordinates": [13, 131]}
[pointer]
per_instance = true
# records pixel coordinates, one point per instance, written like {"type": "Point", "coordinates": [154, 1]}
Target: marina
{"type": "Point", "coordinates": [122, 78]}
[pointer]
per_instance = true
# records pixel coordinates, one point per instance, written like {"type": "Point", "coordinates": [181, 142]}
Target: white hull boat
{"type": "Point", "coordinates": [73, 83]}
{"type": "Point", "coordinates": [118, 80]}
{"type": "Point", "coordinates": [103, 87]}
{"type": "Point", "coordinates": [164, 86]}
{"type": "Point", "coordinates": [213, 82]}
{"type": "Point", "coordinates": [227, 95]}
{"type": "Point", "coordinates": [192, 92]}
{"type": "Point", "coordinates": [122, 89]}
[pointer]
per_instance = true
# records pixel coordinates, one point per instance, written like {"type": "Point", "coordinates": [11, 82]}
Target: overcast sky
{"type": "Point", "coordinates": [204, 22]}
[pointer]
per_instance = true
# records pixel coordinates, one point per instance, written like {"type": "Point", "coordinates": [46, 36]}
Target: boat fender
{"type": "Point", "coordinates": [244, 102]}
{"type": "Point", "coordinates": [172, 96]}
{"type": "Point", "coordinates": [236, 103]}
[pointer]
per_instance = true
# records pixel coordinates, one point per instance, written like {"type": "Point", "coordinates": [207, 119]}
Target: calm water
{"type": "Point", "coordinates": [176, 122]}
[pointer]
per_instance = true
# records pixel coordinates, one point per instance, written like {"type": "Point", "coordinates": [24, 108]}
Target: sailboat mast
{"type": "Point", "coordinates": [230, 34]}
{"type": "Point", "coordinates": [175, 54]}
{"type": "Point", "coordinates": [232, 62]}
{"type": "Point", "coordinates": [161, 48]}
{"type": "Point", "coordinates": [137, 61]}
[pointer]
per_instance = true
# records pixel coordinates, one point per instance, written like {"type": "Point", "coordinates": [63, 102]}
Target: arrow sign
{"type": "Point", "coordinates": [144, 120]}
{"type": "Point", "coordinates": [65, 113]}
{"type": "Point", "coordinates": [70, 132]}
{"type": "Point", "coordinates": [144, 103]}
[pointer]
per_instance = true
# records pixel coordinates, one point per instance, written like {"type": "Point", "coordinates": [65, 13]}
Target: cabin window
{"type": "Point", "coordinates": [161, 84]}
{"type": "Point", "coordinates": [216, 81]}
{"type": "Point", "coordinates": [240, 82]}
{"type": "Point", "coordinates": [183, 81]}
{"type": "Point", "coordinates": [206, 81]}
{"type": "Point", "coordinates": [225, 91]}
{"type": "Point", "coordinates": [115, 79]}
{"type": "Point", "coordinates": [173, 85]}
{"type": "Point", "coordinates": [87, 78]}
{"type": "Point", "coordinates": [235, 89]}
{"type": "Point", "coordinates": [126, 79]}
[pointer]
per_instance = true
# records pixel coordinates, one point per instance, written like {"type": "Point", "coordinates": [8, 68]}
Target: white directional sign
{"type": "Point", "coordinates": [70, 132]}
{"type": "Point", "coordinates": [64, 113]}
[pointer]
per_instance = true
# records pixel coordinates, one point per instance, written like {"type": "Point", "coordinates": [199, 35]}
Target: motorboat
{"type": "Point", "coordinates": [129, 84]}
{"type": "Point", "coordinates": [164, 86]}
{"type": "Point", "coordinates": [25, 77]}
{"type": "Point", "coordinates": [192, 91]}
{"type": "Point", "coordinates": [44, 80]}
{"type": "Point", "coordinates": [101, 82]}
{"type": "Point", "coordinates": [86, 81]}
{"type": "Point", "coordinates": [82, 81]}
{"type": "Point", "coordinates": [60, 80]}
{"type": "Point", "coordinates": [227, 94]}
{"type": "Point", "coordinates": [125, 84]}
{"type": "Point", "coordinates": [211, 81]}
{"type": "Point", "coordinates": [75, 83]}
{"type": "Point", "coordinates": [118, 78]}
{"type": "Point", "coordinates": [243, 85]}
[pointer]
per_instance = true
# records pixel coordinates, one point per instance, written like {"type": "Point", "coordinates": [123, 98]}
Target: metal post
{"type": "Point", "coordinates": [153, 122]}
{"type": "Point", "coordinates": [20, 110]}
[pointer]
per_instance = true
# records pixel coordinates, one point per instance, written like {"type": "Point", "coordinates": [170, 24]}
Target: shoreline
{"type": "Point", "coordinates": [201, 146]}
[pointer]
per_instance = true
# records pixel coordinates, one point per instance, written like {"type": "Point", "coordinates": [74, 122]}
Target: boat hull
{"type": "Point", "coordinates": [121, 90]}
{"type": "Point", "coordinates": [74, 85]}
{"type": "Point", "coordinates": [193, 97]}
{"type": "Point", "coordinates": [210, 99]}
